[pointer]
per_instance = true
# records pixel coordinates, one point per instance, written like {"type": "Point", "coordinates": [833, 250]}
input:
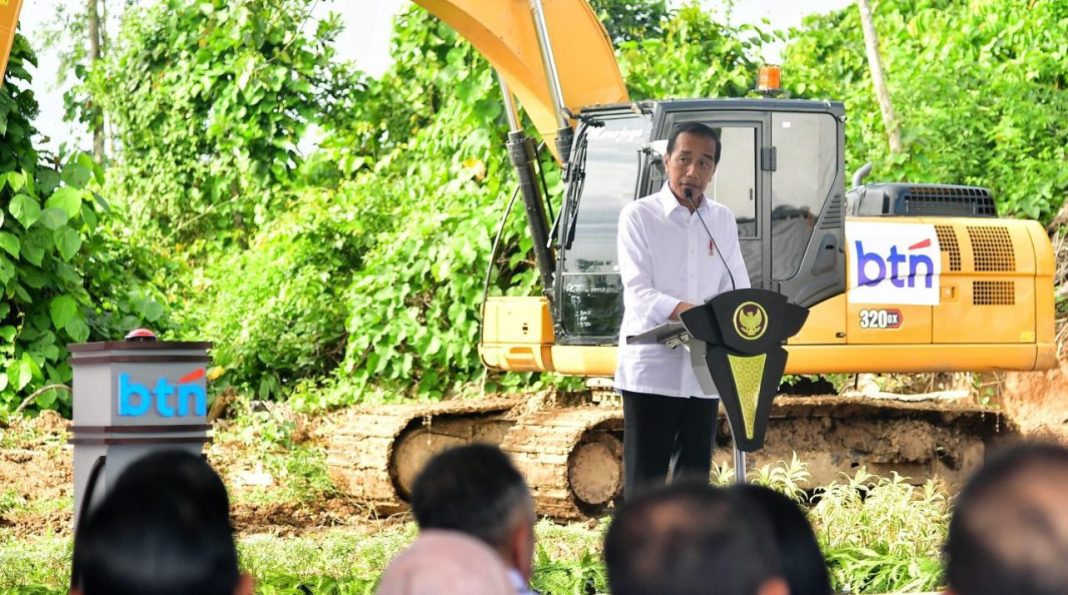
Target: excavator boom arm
{"type": "Point", "coordinates": [504, 32]}
{"type": "Point", "coordinates": [9, 17]}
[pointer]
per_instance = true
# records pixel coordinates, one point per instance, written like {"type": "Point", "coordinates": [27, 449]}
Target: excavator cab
{"type": "Point", "coordinates": [780, 173]}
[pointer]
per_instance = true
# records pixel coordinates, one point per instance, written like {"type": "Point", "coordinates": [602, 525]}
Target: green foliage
{"type": "Point", "coordinates": [788, 478]}
{"type": "Point", "coordinates": [53, 256]}
{"type": "Point", "coordinates": [882, 535]}
{"type": "Point", "coordinates": [631, 20]}
{"type": "Point", "coordinates": [35, 566]}
{"type": "Point", "coordinates": [276, 312]}
{"type": "Point", "coordinates": [978, 86]}
{"type": "Point", "coordinates": [697, 56]}
{"type": "Point", "coordinates": [413, 307]}
{"type": "Point", "coordinates": [209, 101]}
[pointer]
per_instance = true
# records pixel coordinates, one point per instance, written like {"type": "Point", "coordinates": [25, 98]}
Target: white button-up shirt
{"type": "Point", "coordinates": [665, 257]}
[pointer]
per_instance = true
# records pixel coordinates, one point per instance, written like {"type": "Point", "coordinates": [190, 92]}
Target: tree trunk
{"type": "Point", "coordinates": [875, 64]}
{"type": "Point", "coordinates": [94, 56]}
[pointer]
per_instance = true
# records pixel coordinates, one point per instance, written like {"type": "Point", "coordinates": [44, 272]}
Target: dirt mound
{"type": "Point", "coordinates": [1038, 401]}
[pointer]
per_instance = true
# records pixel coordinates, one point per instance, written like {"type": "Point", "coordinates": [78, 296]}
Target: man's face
{"type": "Point", "coordinates": [690, 164]}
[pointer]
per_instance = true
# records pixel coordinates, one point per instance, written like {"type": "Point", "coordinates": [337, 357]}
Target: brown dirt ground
{"type": "Point", "coordinates": [1038, 401]}
{"type": "Point", "coordinates": [36, 469]}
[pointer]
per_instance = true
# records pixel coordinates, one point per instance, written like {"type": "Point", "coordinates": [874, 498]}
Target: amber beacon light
{"type": "Point", "coordinates": [769, 80]}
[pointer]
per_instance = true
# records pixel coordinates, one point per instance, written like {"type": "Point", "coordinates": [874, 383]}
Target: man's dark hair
{"type": "Point", "coordinates": [163, 528]}
{"type": "Point", "coordinates": [1009, 530]}
{"type": "Point", "coordinates": [679, 539]}
{"type": "Point", "coordinates": [803, 565]}
{"type": "Point", "coordinates": [700, 130]}
{"type": "Point", "coordinates": [474, 489]}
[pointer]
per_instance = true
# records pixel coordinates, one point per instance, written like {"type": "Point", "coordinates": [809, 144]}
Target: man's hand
{"type": "Point", "coordinates": [682, 307]}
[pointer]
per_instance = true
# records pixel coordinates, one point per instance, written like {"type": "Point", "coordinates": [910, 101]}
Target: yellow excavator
{"type": "Point", "coordinates": [898, 277]}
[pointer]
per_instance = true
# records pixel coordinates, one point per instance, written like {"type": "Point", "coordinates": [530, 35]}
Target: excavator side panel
{"type": "Point", "coordinates": [503, 31]}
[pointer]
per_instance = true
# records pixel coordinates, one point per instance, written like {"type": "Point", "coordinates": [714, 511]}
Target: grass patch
{"type": "Point", "coordinates": [35, 565]}
{"type": "Point", "coordinates": [878, 534]}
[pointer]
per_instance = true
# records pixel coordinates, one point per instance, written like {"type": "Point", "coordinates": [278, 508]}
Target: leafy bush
{"type": "Point", "coordinates": [413, 306]}
{"type": "Point", "coordinates": [276, 312]}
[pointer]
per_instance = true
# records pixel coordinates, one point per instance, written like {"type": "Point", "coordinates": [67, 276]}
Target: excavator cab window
{"type": "Point", "coordinates": [604, 179]}
{"type": "Point", "coordinates": [806, 165]}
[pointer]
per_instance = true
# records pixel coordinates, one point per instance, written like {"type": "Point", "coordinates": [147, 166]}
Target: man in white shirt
{"type": "Point", "coordinates": [668, 264]}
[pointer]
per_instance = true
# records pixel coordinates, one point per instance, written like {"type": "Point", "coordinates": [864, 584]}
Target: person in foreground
{"type": "Point", "coordinates": [446, 563]}
{"type": "Point", "coordinates": [163, 529]}
{"type": "Point", "coordinates": [475, 489]}
{"type": "Point", "coordinates": [668, 264]}
{"type": "Point", "coordinates": [690, 539]}
{"type": "Point", "coordinates": [1009, 529]}
{"type": "Point", "coordinates": [803, 565]}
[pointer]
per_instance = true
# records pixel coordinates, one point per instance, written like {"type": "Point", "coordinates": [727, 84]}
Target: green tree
{"type": "Point", "coordinates": [209, 101]}
{"type": "Point", "coordinates": [979, 89]}
{"type": "Point", "coordinates": [52, 256]}
{"type": "Point", "coordinates": [697, 56]}
{"type": "Point", "coordinates": [379, 268]}
{"type": "Point", "coordinates": [631, 20]}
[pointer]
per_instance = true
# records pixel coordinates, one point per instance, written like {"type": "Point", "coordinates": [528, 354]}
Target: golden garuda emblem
{"type": "Point", "coordinates": [750, 320]}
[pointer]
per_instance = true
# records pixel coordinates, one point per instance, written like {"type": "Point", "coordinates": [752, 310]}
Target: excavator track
{"type": "Point", "coordinates": [373, 453]}
{"type": "Point", "coordinates": [572, 456]}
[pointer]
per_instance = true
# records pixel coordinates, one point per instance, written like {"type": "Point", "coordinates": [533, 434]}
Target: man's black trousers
{"type": "Point", "coordinates": [659, 429]}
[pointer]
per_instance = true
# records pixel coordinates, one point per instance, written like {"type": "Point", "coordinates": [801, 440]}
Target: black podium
{"type": "Point", "coordinates": [735, 341]}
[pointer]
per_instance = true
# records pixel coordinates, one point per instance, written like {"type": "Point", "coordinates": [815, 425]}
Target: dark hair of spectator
{"type": "Point", "coordinates": [802, 562]}
{"type": "Point", "coordinates": [474, 489]}
{"type": "Point", "coordinates": [162, 529]}
{"type": "Point", "coordinates": [682, 538]}
{"type": "Point", "coordinates": [700, 130]}
{"type": "Point", "coordinates": [1009, 530]}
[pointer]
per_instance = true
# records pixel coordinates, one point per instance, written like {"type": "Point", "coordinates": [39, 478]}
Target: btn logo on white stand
{"type": "Point", "coordinates": [893, 263]}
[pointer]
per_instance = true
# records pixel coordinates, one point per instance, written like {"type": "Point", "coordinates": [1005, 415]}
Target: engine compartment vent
{"type": "Point", "coordinates": [992, 248]}
{"type": "Point", "coordinates": [947, 241]}
{"type": "Point", "coordinates": [993, 293]}
{"type": "Point", "coordinates": [897, 199]}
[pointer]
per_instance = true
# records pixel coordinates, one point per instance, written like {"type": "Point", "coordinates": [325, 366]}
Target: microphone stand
{"type": "Point", "coordinates": [739, 456]}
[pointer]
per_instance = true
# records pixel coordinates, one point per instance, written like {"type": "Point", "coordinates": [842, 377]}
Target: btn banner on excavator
{"type": "Point", "coordinates": [893, 263]}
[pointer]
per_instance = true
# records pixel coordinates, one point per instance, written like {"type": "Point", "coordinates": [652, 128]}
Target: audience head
{"type": "Point", "coordinates": [163, 528]}
{"type": "Point", "coordinates": [1009, 530]}
{"type": "Point", "coordinates": [445, 562]}
{"type": "Point", "coordinates": [475, 489]}
{"type": "Point", "coordinates": [690, 538]}
{"type": "Point", "coordinates": [800, 557]}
